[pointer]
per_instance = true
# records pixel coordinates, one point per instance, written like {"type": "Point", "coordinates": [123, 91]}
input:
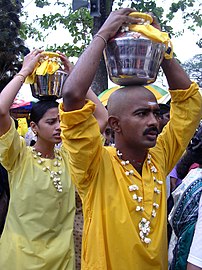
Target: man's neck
{"type": "Point", "coordinates": [135, 157]}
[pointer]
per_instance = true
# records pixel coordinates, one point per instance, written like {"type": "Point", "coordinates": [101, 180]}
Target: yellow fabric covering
{"type": "Point", "coordinates": [39, 224]}
{"type": "Point", "coordinates": [151, 32]}
{"type": "Point", "coordinates": [146, 17]}
{"type": "Point", "coordinates": [47, 66]}
{"type": "Point", "coordinates": [111, 236]}
{"type": "Point", "coordinates": [22, 126]}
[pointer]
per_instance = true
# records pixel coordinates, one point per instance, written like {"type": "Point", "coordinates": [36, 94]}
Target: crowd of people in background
{"type": "Point", "coordinates": [91, 187]}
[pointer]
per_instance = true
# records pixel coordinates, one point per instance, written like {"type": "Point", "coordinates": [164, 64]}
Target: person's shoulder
{"type": "Point", "coordinates": [62, 151]}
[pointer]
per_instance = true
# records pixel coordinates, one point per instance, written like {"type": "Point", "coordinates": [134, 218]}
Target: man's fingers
{"type": "Point", "coordinates": [125, 11]}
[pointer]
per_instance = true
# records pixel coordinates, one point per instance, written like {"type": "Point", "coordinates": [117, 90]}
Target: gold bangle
{"type": "Point", "coordinates": [98, 35]}
{"type": "Point", "coordinates": [22, 77]}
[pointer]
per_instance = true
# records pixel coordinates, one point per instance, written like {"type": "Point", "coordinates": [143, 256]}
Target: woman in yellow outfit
{"type": "Point", "coordinates": [38, 232]}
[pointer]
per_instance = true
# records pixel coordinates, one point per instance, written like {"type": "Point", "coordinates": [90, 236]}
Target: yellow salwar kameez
{"type": "Point", "coordinates": [38, 232]}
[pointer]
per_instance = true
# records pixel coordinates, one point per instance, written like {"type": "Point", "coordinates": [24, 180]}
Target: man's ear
{"type": "Point", "coordinates": [114, 123]}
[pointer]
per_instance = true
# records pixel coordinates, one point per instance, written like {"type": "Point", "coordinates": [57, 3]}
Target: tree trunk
{"type": "Point", "coordinates": [100, 82]}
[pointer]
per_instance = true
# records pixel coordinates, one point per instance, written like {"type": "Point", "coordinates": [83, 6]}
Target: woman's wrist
{"type": "Point", "coordinates": [20, 77]}
{"type": "Point", "coordinates": [25, 71]}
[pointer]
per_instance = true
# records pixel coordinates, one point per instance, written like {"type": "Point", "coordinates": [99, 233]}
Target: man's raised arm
{"type": "Point", "coordinates": [80, 79]}
{"type": "Point", "coordinates": [176, 77]}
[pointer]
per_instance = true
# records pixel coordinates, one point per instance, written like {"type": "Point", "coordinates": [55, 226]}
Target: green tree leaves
{"type": "Point", "coordinates": [12, 47]}
{"type": "Point", "coordinates": [79, 24]}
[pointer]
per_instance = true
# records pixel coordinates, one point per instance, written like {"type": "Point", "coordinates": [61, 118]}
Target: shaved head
{"type": "Point", "coordinates": [121, 99]}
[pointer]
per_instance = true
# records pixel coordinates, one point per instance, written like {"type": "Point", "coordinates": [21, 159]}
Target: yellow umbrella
{"type": "Point", "coordinates": [156, 90]}
{"type": "Point", "coordinates": [104, 96]}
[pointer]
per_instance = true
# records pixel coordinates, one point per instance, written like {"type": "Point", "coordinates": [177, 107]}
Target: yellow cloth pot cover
{"type": "Point", "coordinates": [48, 66]}
{"type": "Point", "coordinates": [151, 32]}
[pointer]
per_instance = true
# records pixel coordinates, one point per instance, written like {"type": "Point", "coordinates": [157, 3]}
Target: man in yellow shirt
{"type": "Point", "coordinates": [123, 188]}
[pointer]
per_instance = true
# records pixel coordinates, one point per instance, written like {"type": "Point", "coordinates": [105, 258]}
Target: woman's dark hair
{"type": "Point", "coordinates": [16, 122]}
{"type": "Point", "coordinates": [40, 108]}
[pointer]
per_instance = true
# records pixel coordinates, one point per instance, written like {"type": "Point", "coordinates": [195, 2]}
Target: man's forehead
{"type": "Point", "coordinates": [140, 93]}
{"type": "Point", "coordinates": [147, 102]}
{"type": "Point", "coordinates": [152, 103]}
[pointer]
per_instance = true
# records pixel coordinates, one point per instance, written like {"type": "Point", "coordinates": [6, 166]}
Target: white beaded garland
{"type": "Point", "coordinates": [144, 224]}
{"type": "Point", "coordinates": [54, 175]}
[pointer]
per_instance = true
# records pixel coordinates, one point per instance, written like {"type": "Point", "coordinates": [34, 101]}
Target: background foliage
{"type": "Point", "coordinates": [12, 47]}
{"type": "Point", "coordinates": [80, 24]}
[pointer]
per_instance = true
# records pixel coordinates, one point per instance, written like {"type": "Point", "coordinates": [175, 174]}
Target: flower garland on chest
{"type": "Point", "coordinates": [144, 224]}
{"type": "Point", "coordinates": [53, 174]}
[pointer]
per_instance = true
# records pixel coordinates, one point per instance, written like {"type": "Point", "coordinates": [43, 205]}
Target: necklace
{"type": "Point", "coordinates": [144, 224]}
{"type": "Point", "coordinates": [54, 175]}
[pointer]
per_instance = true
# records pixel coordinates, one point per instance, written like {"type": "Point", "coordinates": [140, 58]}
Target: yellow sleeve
{"type": "Point", "coordinates": [81, 137]}
{"type": "Point", "coordinates": [11, 146]}
{"type": "Point", "coordinates": [185, 115]}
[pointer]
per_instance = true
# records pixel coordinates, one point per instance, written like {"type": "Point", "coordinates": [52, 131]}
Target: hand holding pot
{"type": "Point", "coordinates": [115, 20]}
{"type": "Point", "coordinates": [30, 62]}
{"type": "Point", "coordinates": [134, 54]}
{"type": "Point", "coordinates": [68, 66]}
{"type": "Point", "coordinates": [47, 79]}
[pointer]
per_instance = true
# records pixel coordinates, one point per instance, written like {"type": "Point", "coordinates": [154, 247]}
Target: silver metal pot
{"type": "Point", "coordinates": [132, 59]}
{"type": "Point", "coordinates": [49, 86]}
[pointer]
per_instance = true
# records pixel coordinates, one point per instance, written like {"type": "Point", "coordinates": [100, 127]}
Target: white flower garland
{"type": "Point", "coordinates": [54, 175]}
{"type": "Point", "coordinates": [144, 224]}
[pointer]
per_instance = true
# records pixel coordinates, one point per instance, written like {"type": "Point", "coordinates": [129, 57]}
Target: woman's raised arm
{"type": "Point", "coordinates": [9, 93]}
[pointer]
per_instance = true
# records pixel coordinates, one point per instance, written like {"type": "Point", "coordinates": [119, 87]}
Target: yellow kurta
{"type": "Point", "coordinates": [38, 232]}
{"type": "Point", "coordinates": [111, 235]}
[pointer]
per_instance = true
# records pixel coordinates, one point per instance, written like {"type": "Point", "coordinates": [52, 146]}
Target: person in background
{"type": "Point", "coordinates": [38, 232]}
{"type": "Point", "coordinates": [4, 196]}
{"type": "Point", "coordinates": [174, 179]}
{"type": "Point", "coordinates": [30, 137]}
{"type": "Point", "coordinates": [4, 191]}
{"type": "Point", "coordinates": [194, 261]}
{"type": "Point", "coordinates": [109, 136]}
{"type": "Point", "coordinates": [179, 172]}
{"type": "Point", "coordinates": [165, 115]}
{"type": "Point", "coordinates": [184, 214]}
{"type": "Point", "coordinates": [182, 168]}
{"type": "Point", "coordinates": [123, 188]}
